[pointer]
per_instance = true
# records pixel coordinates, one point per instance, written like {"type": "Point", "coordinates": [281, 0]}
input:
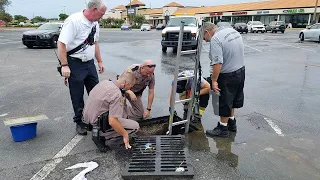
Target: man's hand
{"type": "Point", "coordinates": [133, 97]}
{"type": "Point", "coordinates": [126, 141]}
{"type": "Point", "coordinates": [65, 70]}
{"type": "Point", "coordinates": [101, 68]}
{"type": "Point", "coordinates": [146, 114]}
{"type": "Point", "coordinates": [215, 87]}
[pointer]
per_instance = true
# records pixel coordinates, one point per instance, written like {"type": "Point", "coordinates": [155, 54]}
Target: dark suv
{"type": "Point", "coordinates": [46, 35]}
{"type": "Point", "coordinates": [276, 26]}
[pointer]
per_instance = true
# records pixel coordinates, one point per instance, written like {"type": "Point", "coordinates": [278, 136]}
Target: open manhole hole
{"type": "Point", "coordinates": [159, 156]}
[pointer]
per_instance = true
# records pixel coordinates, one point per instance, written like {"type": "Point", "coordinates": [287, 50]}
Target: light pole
{"type": "Point", "coordinates": [315, 17]}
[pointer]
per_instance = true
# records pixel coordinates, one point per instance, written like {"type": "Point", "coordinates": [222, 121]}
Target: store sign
{"type": "Point", "coordinates": [293, 11]}
{"type": "Point", "coordinates": [239, 13]}
{"type": "Point", "coordinates": [131, 11]}
{"type": "Point", "coordinates": [185, 14]}
{"type": "Point", "coordinates": [263, 12]}
{"type": "Point", "coordinates": [216, 14]}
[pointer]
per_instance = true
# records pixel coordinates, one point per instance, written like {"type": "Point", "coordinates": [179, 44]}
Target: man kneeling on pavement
{"type": "Point", "coordinates": [106, 109]}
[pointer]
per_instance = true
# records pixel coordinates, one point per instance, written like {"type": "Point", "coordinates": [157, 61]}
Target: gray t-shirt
{"type": "Point", "coordinates": [226, 48]}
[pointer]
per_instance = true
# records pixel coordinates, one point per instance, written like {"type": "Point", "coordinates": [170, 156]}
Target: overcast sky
{"type": "Point", "coordinates": [52, 8]}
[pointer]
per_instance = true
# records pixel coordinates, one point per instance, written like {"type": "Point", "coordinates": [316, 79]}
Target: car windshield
{"type": "Point", "coordinates": [159, 25]}
{"type": "Point", "coordinates": [49, 27]}
{"type": "Point", "coordinates": [223, 24]}
{"type": "Point", "coordinates": [145, 25]}
{"type": "Point", "coordinates": [188, 21]}
{"type": "Point", "coordinates": [256, 23]}
{"type": "Point", "coordinates": [280, 23]}
{"type": "Point", "coordinates": [240, 24]}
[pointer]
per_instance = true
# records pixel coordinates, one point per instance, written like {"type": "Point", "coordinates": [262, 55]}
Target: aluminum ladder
{"type": "Point", "coordinates": [195, 77]}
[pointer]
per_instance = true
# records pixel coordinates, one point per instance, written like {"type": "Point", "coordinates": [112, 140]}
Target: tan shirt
{"type": "Point", "coordinates": [141, 82]}
{"type": "Point", "coordinates": [105, 96]}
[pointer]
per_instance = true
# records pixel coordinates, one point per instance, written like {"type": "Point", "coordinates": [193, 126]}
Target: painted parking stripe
{"type": "Point", "coordinates": [51, 165]}
{"type": "Point", "coordinates": [274, 126]}
{"type": "Point", "coordinates": [300, 48]}
{"type": "Point", "coordinates": [253, 48]}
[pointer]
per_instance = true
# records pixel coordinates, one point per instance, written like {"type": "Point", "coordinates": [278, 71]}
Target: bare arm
{"type": "Point", "coordinates": [97, 51]}
{"type": "Point", "coordinates": [150, 98]}
{"type": "Point", "coordinates": [216, 72]}
{"type": "Point", "coordinates": [62, 53]}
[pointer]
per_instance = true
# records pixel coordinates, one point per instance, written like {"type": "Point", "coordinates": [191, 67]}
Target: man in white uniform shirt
{"type": "Point", "coordinates": [77, 47]}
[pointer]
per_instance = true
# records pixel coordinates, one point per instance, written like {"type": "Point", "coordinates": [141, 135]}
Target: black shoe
{"type": "Point", "coordinates": [220, 130]}
{"type": "Point", "coordinates": [81, 128]}
{"type": "Point", "coordinates": [232, 125]}
{"type": "Point", "coordinates": [100, 143]}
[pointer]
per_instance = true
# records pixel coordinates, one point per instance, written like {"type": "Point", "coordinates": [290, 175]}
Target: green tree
{"type": "Point", "coordinates": [5, 16]}
{"type": "Point", "coordinates": [118, 22]}
{"type": "Point", "coordinates": [38, 19]}
{"type": "Point", "coordinates": [139, 19]}
{"type": "Point", "coordinates": [20, 18]}
{"type": "Point", "coordinates": [4, 4]}
{"type": "Point", "coordinates": [63, 17]}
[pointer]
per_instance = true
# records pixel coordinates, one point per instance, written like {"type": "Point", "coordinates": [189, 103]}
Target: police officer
{"type": "Point", "coordinates": [227, 74]}
{"type": "Point", "coordinates": [144, 74]}
{"type": "Point", "coordinates": [184, 90]}
{"type": "Point", "coordinates": [77, 47]}
{"type": "Point", "coordinates": [109, 97]}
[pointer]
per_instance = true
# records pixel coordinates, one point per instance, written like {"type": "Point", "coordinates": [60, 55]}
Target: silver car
{"type": "Point", "coordinates": [311, 33]}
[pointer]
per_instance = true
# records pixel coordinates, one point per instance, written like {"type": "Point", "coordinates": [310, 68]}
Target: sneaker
{"type": "Point", "coordinates": [220, 130]}
{"type": "Point", "coordinates": [232, 125]}
{"type": "Point", "coordinates": [100, 143]}
{"type": "Point", "coordinates": [81, 128]}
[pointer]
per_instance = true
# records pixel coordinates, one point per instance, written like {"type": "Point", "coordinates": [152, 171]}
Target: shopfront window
{"type": "Point", "coordinates": [241, 19]}
{"type": "Point", "coordinates": [265, 19]}
{"type": "Point", "coordinates": [297, 20]}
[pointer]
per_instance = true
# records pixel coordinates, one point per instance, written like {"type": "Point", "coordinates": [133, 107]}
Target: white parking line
{"type": "Point", "coordinates": [51, 165]}
{"type": "Point", "coordinates": [274, 126]}
{"type": "Point", "coordinates": [11, 42]}
{"type": "Point", "coordinates": [253, 48]}
{"type": "Point", "coordinates": [299, 48]}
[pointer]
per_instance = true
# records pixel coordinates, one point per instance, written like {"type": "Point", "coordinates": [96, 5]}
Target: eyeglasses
{"type": "Point", "coordinates": [151, 65]}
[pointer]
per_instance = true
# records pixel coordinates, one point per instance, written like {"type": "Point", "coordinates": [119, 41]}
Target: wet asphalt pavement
{"type": "Point", "coordinates": [278, 127]}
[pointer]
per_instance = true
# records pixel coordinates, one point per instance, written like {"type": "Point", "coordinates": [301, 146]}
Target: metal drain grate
{"type": "Point", "coordinates": [158, 156]}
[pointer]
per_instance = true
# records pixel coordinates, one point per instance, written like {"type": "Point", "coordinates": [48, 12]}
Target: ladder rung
{"type": "Point", "coordinates": [183, 101]}
{"type": "Point", "coordinates": [188, 52]}
{"type": "Point", "coordinates": [179, 122]}
{"type": "Point", "coordinates": [184, 78]}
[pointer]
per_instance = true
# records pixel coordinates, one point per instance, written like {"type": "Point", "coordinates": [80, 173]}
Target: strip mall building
{"type": "Point", "coordinates": [297, 12]}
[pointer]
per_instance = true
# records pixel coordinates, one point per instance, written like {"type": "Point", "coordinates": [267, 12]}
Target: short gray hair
{"type": "Point", "coordinates": [96, 4]}
{"type": "Point", "coordinates": [209, 26]}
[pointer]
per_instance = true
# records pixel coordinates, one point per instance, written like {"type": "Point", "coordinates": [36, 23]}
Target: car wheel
{"type": "Point", "coordinates": [30, 46]}
{"type": "Point", "coordinates": [319, 40]}
{"type": "Point", "coordinates": [282, 32]}
{"type": "Point", "coordinates": [301, 36]}
{"type": "Point", "coordinates": [251, 30]}
{"type": "Point", "coordinates": [164, 49]}
{"type": "Point", "coordinates": [175, 49]}
{"type": "Point", "coordinates": [262, 31]}
{"type": "Point", "coordinates": [54, 41]}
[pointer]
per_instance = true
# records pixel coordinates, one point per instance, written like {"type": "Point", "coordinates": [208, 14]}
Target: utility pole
{"type": "Point", "coordinates": [315, 17]}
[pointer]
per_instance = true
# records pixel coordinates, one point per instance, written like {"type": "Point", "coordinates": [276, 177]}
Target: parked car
{"type": "Point", "coordinates": [256, 26]}
{"type": "Point", "coordinates": [241, 27]}
{"type": "Point", "coordinates": [160, 26]}
{"type": "Point", "coordinates": [276, 26]}
{"type": "Point", "coordinates": [224, 24]}
{"type": "Point", "coordinates": [46, 35]}
{"type": "Point", "coordinates": [126, 27]}
{"type": "Point", "coordinates": [145, 27]}
{"type": "Point", "coordinates": [312, 33]}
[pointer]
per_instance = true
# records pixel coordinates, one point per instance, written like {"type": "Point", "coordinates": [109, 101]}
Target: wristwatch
{"type": "Point", "coordinates": [148, 109]}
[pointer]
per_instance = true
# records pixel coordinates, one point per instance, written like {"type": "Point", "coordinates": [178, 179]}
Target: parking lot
{"type": "Point", "coordinates": [278, 128]}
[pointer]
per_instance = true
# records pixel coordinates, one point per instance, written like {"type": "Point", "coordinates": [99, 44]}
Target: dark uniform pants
{"type": "Point", "coordinates": [83, 74]}
{"type": "Point", "coordinates": [231, 94]}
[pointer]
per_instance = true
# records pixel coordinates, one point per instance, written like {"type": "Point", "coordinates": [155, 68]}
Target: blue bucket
{"type": "Point", "coordinates": [24, 132]}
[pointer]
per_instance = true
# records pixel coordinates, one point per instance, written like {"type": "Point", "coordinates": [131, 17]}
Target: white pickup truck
{"type": "Point", "coordinates": [170, 34]}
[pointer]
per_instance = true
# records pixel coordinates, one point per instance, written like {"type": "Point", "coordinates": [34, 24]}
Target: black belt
{"type": "Point", "coordinates": [78, 59]}
{"type": "Point", "coordinates": [234, 72]}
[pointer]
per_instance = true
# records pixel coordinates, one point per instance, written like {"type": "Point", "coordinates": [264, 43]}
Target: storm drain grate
{"type": "Point", "coordinates": [158, 156]}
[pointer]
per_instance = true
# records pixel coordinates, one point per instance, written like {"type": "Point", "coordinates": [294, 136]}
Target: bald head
{"type": "Point", "coordinates": [147, 62]}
